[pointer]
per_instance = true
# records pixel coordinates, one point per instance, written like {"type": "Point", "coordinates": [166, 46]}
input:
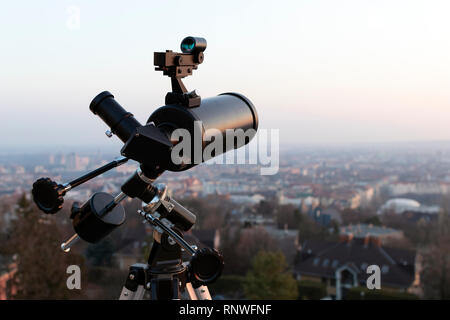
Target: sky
{"type": "Point", "coordinates": [322, 72]}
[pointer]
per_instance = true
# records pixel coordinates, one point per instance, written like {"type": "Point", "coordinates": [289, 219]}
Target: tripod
{"type": "Point", "coordinates": [165, 275]}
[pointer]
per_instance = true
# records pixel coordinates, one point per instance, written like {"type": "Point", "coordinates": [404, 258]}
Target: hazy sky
{"type": "Point", "coordinates": [320, 71]}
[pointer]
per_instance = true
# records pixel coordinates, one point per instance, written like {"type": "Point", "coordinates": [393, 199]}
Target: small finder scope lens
{"type": "Point", "coordinates": [187, 45]}
{"type": "Point", "coordinates": [192, 44]}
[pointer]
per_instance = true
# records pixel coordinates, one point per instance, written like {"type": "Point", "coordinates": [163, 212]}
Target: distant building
{"type": "Point", "coordinates": [400, 205]}
{"type": "Point", "coordinates": [250, 199]}
{"type": "Point", "coordinates": [422, 188]}
{"type": "Point", "coordinates": [293, 201]}
{"type": "Point", "coordinates": [252, 219]}
{"type": "Point", "coordinates": [19, 169]}
{"type": "Point", "coordinates": [347, 198]}
{"type": "Point", "coordinates": [75, 162]}
{"type": "Point", "coordinates": [324, 217]}
{"type": "Point", "coordinates": [413, 216]}
{"type": "Point", "coordinates": [207, 237]}
{"type": "Point", "coordinates": [363, 231]}
{"type": "Point", "coordinates": [342, 265]}
{"type": "Point", "coordinates": [287, 241]}
{"type": "Point", "coordinates": [303, 197]}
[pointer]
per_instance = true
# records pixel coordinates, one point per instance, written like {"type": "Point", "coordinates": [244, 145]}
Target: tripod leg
{"type": "Point", "coordinates": [203, 293]}
{"type": "Point", "coordinates": [200, 293]}
{"type": "Point", "coordinates": [134, 286]}
{"type": "Point", "coordinates": [191, 292]}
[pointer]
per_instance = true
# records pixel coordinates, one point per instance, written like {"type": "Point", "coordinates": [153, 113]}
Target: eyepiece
{"type": "Point", "coordinates": [121, 122]}
{"type": "Point", "coordinates": [193, 45]}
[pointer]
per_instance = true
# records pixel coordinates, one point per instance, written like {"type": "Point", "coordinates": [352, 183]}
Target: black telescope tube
{"type": "Point", "coordinates": [122, 123]}
{"type": "Point", "coordinates": [227, 111]}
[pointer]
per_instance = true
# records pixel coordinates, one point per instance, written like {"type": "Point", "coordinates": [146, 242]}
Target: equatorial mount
{"type": "Point", "coordinates": [165, 275]}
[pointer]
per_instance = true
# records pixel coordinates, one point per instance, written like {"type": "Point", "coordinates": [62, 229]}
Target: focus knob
{"type": "Point", "coordinates": [48, 195]}
{"type": "Point", "coordinates": [206, 266]}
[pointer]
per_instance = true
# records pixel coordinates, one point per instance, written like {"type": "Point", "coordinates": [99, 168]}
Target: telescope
{"type": "Point", "coordinates": [153, 146]}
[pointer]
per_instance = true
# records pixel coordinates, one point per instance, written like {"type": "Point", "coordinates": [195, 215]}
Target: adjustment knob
{"type": "Point", "coordinates": [48, 195]}
{"type": "Point", "coordinates": [206, 266]}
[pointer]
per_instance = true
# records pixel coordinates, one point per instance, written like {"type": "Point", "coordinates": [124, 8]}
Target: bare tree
{"type": "Point", "coordinates": [34, 241]}
{"type": "Point", "coordinates": [436, 261]}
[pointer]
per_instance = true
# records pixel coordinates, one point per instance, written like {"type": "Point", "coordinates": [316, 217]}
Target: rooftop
{"type": "Point", "coordinates": [362, 230]}
{"type": "Point", "coordinates": [322, 258]}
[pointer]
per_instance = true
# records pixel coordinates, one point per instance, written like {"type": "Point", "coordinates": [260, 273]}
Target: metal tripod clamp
{"type": "Point", "coordinates": [206, 264]}
{"type": "Point", "coordinates": [169, 208]}
{"type": "Point", "coordinates": [175, 236]}
{"type": "Point", "coordinates": [158, 199]}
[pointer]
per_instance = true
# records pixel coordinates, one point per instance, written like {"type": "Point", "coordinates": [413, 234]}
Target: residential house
{"type": "Point", "coordinates": [343, 264]}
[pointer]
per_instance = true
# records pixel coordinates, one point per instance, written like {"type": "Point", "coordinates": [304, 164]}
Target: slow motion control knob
{"type": "Point", "coordinates": [206, 266]}
{"type": "Point", "coordinates": [48, 195]}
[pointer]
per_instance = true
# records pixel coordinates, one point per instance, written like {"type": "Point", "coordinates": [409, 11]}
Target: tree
{"type": "Point", "coordinates": [308, 229]}
{"type": "Point", "coordinates": [41, 266]}
{"type": "Point", "coordinates": [289, 216]}
{"type": "Point", "coordinates": [101, 254]}
{"type": "Point", "coordinates": [240, 246]}
{"type": "Point", "coordinates": [374, 220]}
{"type": "Point", "coordinates": [354, 216]}
{"type": "Point", "coordinates": [436, 263]}
{"type": "Point", "coordinates": [210, 211]}
{"type": "Point", "coordinates": [311, 290]}
{"type": "Point", "coordinates": [229, 285]}
{"type": "Point", "coordinates": [267, 207]}
{"type": "Point", "coordinates": [361, 293]}
{"type": "Point", "coordinates": [269, 278]}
